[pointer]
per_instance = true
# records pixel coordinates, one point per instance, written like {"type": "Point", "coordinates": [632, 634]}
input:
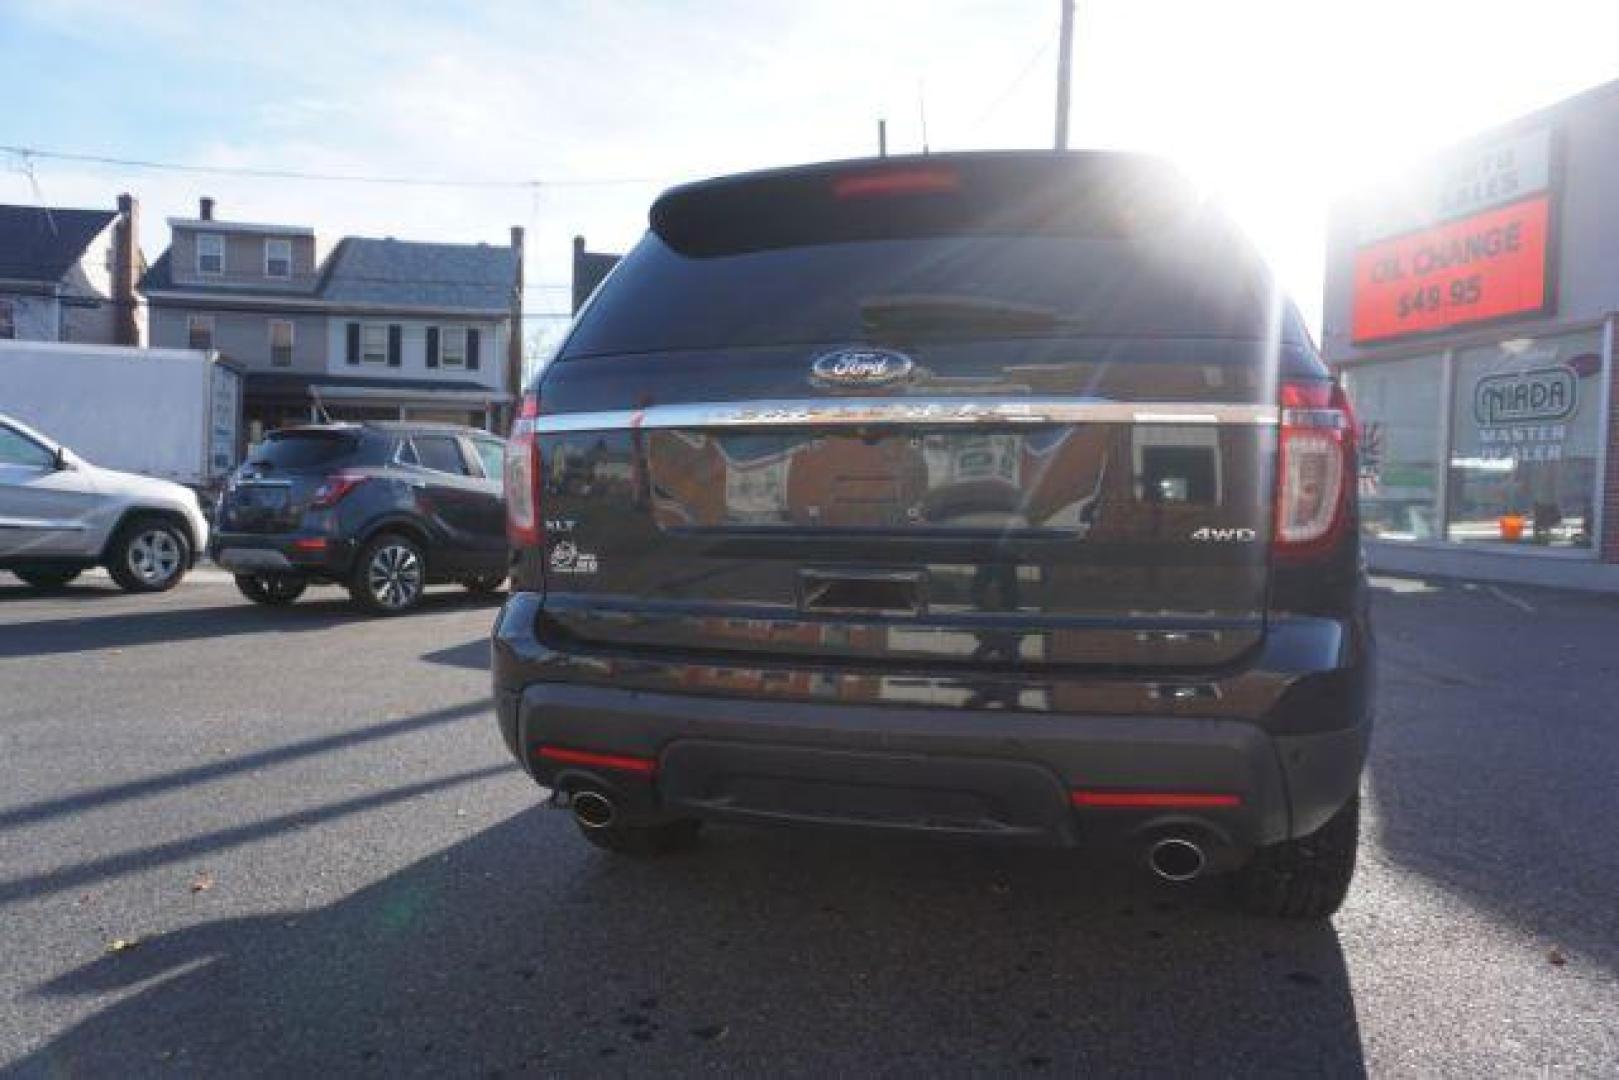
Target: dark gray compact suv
{"type": "Point", "coordinates": [997, 495]}
{"type": "Point", "coordinates": [382, 509]}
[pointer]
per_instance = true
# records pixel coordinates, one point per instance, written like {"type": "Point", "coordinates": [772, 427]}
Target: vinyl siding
{"type": "Point", "coordinates": [244, 261]}
{"type": "Point", "coordinates": [37, 318]}
{"type": "Point", "coordinates": [413, 352]}
{"type": "Point", "coordinates": [245, 336]}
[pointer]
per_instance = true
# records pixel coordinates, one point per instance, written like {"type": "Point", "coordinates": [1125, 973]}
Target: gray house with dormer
{"type": "Point", "coordinates": [376, 330]}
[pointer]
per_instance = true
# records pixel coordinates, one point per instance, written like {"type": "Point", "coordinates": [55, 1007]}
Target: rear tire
{"type": "Point", "coordinates": [1305, 878]}
{"type": "Point", "coordinates": [483, 584]}
{"type": "Point", "coordinates": [149, 554]}
{"type": "Point", "coordinates": [41, 577]}
{"type": "Point", "coordinates": [645, 840]}
{"type": "Point", "coordinates": [270, 590]}
{"type": "Point", "coordinates": [390, 575]}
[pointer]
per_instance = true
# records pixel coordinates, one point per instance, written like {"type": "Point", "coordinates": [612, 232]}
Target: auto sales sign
{"type": "Point", "coordinates": [1467, 242]}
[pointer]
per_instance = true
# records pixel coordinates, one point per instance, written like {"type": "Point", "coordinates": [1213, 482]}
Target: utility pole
{"type": "Point", "coordinates": [882, 138]}
{"type": "Point", "coordinates": [922, 110]}
{"type": "Point", "coordinates": [1065, 57]}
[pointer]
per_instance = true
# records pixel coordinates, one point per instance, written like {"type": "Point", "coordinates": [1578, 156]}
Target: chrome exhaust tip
{"type": "Point", "coordinates": [1175, 858]}
{"type": "Point", "coordinates": [593, 810]}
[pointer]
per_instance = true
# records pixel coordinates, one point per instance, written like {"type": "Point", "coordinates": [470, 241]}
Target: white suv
{"type": "Point", "coordinates": [60, 515]}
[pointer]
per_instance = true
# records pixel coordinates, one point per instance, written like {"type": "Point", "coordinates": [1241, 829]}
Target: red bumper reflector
{"type": "Point", "coordinates": [1179, 800]}
{"type": "Point", "coordinates": [643, 766]}
{"type": "Point", "coordinates": [313, 543]}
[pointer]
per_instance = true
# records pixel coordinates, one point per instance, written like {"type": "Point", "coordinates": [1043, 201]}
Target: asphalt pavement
{"type": "Point", "coordinates": [240, 841]}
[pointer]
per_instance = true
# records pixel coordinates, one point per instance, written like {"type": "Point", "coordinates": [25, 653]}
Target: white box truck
{"type": "Point", "coordinates": [170, 413]}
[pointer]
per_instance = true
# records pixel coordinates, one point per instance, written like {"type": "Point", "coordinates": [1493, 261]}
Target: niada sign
{"type": "Point", "coordinates": [1523, 397]}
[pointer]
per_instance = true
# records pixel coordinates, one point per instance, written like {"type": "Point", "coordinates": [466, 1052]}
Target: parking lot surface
{"type": "Point", "coordinates": [236, 840]}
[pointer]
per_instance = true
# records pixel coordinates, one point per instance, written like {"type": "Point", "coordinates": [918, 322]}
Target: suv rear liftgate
{"type": "Point", "coordinates": [941, 494]}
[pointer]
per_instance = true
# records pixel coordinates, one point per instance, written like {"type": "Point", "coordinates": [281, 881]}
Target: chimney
{"type": "Point", "coordinates": [126, 260]}
{"type": "Point", "coordinates": [205, 208]}
{"type": "Point", "coordinates": [514, 340]}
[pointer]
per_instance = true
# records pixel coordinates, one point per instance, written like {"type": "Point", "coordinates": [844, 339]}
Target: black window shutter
{"type": "Point", "coordinates": [472, 350]}
{"type": "Point", "coordinates": [432, 346]}
{"type": "Point", "coordinates": [394, 335]}
{"type": "Point", "coordinates": [354, 343]}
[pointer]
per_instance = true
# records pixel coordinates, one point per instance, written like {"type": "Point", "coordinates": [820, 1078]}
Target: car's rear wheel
{"type": "Point", "coordinates": [46, 577]}
{"type": "Point", "coordinates": [270, 589]}
{"type": "Point", "coordinates": [149, 555]}
{"type": "Point", "coordinates": [390, 575]}
{"type": "Point", "coordinates": [644, 840]}
{"type": "Point", "coordinates": [1306, 878]}
{"type": "Point", "coordinates": [484, 583]}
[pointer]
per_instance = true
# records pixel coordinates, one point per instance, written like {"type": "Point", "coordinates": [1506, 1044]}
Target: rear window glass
{"type": "Point", "coordinates": [895, 291]}
{"type": "Point", "coordinates": [439, 453]}
{"type": "Point", "coordinates": [302, 449]}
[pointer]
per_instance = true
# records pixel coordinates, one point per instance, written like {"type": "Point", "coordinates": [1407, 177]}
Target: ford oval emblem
{"type": "Point", "coordinates": [861, 367]}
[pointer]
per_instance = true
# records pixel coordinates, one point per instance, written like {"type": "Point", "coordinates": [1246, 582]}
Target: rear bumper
{"type": "Point", "coordinates": [994, 773]}
{"type": "Point", "coordinates": [282, 553]}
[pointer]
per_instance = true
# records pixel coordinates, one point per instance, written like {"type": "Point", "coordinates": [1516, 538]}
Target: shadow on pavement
{"type": "Point", "coordinates": [30, 813]}
{"type": "Point", "coordinates": [1495, 766]}
{"type": "Point", "coordinates": [78, 875]}
{"type": "Point", "coordinates": [473, 654]}
{"type": "Point", "coordinates": [764, 952]}
{"type": "Point", "coordinates": [125, 629]}
{"type": "Point", "coordinates": [86, 592]}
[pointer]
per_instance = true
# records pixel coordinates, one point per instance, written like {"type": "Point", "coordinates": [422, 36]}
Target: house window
{"type": "Point", "coordinates": [200, 331]}
{"type": "Point", "coordinates": [374, 343]}
{"type": "Point", "coordinates": [281, 342]}
{"type": "Point", "coordinates": [210, 254]}
{"type": "Point", "coordinates": [278, 258]}
{"type": "Point", "coordinates": [8, 320]}
{"type": "Point", "coordinates": [453, 346]}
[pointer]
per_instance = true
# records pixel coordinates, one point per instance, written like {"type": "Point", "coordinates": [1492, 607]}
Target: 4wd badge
{"type": "Point", "coordinates": [1208, 534]}
{"type": "Point", "coordinates": [566, 558]}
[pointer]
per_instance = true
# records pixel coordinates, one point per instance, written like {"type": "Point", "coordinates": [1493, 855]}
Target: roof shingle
{"type": "Point", "coordinates": [396, 273]}
{"type": "Point", "coordinates": [40, 244]}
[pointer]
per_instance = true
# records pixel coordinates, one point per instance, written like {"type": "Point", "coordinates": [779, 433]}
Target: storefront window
{"type": "Point", "coordinates": [1523, 460]}
{"type": "Point", "coordinates": [1398, 407]}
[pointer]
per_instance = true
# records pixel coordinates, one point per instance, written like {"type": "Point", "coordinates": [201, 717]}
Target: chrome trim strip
{"type": "Point", "coordinates": [43, 525]}
{"type": "Point", "coordinates": [860, 412]}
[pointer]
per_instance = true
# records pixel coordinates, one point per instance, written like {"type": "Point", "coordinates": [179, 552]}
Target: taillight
{"type": "Point", "coordinates": [1313, 481]}
{"type": "Point", "coordinates": [331, 492]}
{"type": "Point", "coordinates": [522, 469]}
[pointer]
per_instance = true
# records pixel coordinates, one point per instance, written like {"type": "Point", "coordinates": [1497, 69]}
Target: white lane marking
{"type": "Point", "coordinates": [1507, 598]}
{"type": "Point", "coordinates": [1401, 585]}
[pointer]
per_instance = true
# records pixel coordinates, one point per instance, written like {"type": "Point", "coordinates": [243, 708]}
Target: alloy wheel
{"type": "Point", "coordinates": [155, 556]}
{"type": "Point", "coordinates": [394, 576]}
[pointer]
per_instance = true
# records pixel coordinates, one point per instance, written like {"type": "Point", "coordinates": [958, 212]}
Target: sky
{"type": "Point", "coordinates": [588, 108]}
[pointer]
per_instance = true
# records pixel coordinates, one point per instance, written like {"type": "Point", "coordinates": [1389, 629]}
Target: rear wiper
{"type": "Point", "coordinates": [958, 314]}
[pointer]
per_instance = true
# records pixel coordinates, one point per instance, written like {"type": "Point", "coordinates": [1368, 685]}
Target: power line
{"type": "Point", "coordinates": [1017, 81]}
{"type": "Point", "coordinates": [332, 309]}
{"type": "Point", "coordinates": [30, 152]}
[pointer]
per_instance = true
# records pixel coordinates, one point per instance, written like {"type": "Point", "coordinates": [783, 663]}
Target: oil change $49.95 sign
{"type": "Point", "coordinates": [1487, 266]}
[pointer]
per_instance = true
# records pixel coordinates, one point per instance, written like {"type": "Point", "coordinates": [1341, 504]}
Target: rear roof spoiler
{"type": "Point", "coordinates": [1088, 193]}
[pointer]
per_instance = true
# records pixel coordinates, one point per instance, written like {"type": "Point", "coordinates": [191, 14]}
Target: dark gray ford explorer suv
{"type": "Point", "coordinates": [997, 495]}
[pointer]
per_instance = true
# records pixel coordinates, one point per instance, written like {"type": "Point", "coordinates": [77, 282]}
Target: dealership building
{"type": "Point", "coordinates": [1470, 308]}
